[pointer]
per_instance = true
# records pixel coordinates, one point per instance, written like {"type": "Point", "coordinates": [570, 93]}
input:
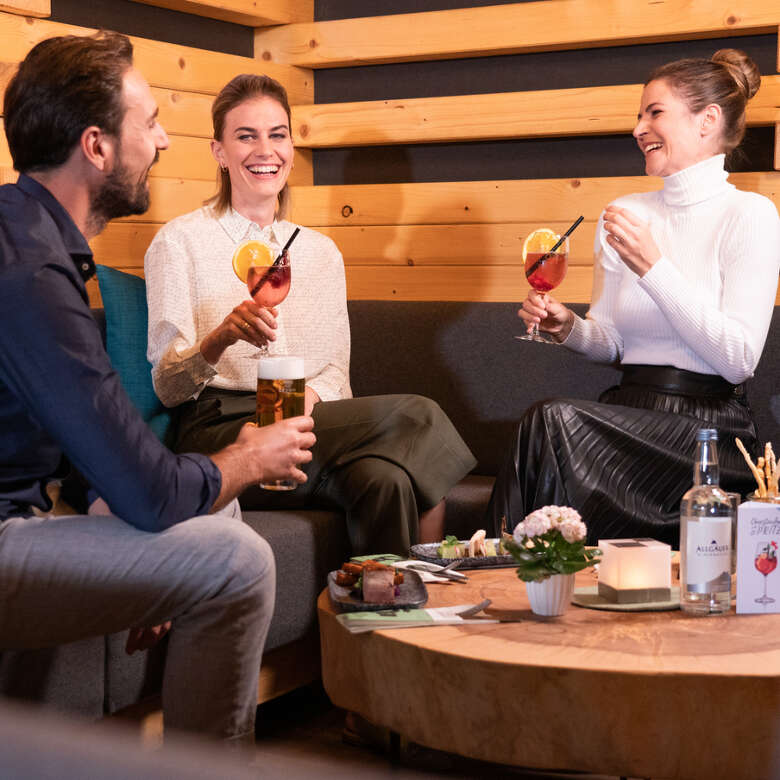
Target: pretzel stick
{"type": "Point", "coordinates": [772, 479]}
{"type": "Point", "coordinates": [759, 477]}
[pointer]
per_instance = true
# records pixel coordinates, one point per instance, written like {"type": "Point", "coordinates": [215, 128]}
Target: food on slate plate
{"type": "Point", "coordinates": [477, 547]}
{"type": "Point", "coordinates": [372, 581]}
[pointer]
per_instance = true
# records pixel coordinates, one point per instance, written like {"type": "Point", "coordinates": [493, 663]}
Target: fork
{"type": "Point", "coordinates": [446, 573]}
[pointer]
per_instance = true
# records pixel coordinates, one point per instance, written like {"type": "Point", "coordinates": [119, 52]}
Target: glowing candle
{"type": "Point", "coordinates": [635, 570]}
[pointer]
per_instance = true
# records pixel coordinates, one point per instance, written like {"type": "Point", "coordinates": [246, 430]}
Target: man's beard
{"type": "Point", "coordinates": [119, 196]}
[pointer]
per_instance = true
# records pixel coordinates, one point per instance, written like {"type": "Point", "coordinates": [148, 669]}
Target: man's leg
{"type": "Point", "coordinates": [65, 578]}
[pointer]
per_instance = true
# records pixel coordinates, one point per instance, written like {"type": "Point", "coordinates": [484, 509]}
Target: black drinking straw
{"type": "Point", "coordinates": [278, 260]}
{"type": "Point", "coordinates": [546, 255]}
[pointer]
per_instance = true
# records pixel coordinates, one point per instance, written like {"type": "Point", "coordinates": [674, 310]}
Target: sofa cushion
{"type": "Point", "coordinates": [124, 302]}
{"type": "Point", "coordinates": [465, 357]}
{"type": "Point", "coordinates": [307, 545]}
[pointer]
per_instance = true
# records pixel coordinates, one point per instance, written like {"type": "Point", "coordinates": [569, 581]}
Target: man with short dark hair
{"type": "Point", "coordinates": [82, 129]}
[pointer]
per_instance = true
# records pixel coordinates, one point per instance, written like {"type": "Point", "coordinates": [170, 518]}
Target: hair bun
{"type": "Point", "coordinates": [742, 69]}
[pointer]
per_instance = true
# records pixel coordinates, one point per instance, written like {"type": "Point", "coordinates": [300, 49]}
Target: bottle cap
{"type": "Point", "coordinates": [706, 434]}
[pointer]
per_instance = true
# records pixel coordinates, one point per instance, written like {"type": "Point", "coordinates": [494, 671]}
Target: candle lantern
{"type": "Point", "coordinates": [634, 571]}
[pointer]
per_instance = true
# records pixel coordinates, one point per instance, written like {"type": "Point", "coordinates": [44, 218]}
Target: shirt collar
{"type": "Point", "coordinates": [72, 238]}
{"type": "Point", "coordinates": [239, 228]}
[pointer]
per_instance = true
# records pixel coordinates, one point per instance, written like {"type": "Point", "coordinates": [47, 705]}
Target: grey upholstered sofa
{"type": "Point", "coordinates": [464, 356]}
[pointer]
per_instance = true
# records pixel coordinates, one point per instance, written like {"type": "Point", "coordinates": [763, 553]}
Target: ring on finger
{"type": "Point", "coordinates": [244, 325]}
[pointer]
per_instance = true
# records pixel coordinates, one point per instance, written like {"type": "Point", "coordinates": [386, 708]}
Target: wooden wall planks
{"type": "Point", "coordinates": [491, 30]}
{"type": "Point", "coordinates": [40, 8]}
{"type": "Point", "coordinates": [538, 113]}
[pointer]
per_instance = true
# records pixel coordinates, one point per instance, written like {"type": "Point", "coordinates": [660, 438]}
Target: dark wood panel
{"type": "Point", "coordinates": [328, 10]}
{"type": "Point", "coordinates": [159, 24]}
{"type": "Point", "coordinates": [522, 72]}
{"type": "Point", "coordinates": [550, 158]}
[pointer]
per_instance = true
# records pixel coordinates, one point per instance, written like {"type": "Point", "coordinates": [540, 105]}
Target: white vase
{"type": "Point", "coordinates": [551, 596]}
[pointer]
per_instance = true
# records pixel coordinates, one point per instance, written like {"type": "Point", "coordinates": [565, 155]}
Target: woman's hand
{"type": "Point", "coordinates": [631, 239]}
{"type": "Point", "coordinates": [551, 316]}
{"type": "Point", "coordinates": [247, 322]}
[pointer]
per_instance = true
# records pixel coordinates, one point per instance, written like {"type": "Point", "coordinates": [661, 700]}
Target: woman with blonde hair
{"type": "Point", "coordinates": [684, 288]}
{"type": "Point", "coordinates": [386, 460]}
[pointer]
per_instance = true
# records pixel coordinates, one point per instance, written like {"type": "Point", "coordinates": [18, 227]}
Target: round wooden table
{"type": "Point", "coordinates": [646, 694]}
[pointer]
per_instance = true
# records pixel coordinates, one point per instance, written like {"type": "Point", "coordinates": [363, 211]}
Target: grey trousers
{"type": "Point", "coordinates": [72, 577]}
{"type": "Point", "coordinates": [382, 459]}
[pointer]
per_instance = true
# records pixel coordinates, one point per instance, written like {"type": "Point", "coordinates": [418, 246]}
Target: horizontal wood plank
{"type": "Point", "coordinates": [165, 65]}
{"type": "Point", "coordinates": [456, 283]}
{"type": "Point", "coordinates": [250, 13]}
{"type": "Point", "coordinates": [383, 283]}
{"type": "Point", "coordinates": [437, 203]}
{"type": "Point", "coordinates": [190, 158]}
{"type": "Point", "coordinates": [542, 113]}
{"type": "Point", "coordinates": [399, 245]}
{"type": "Point", "coordinates": [39, 8]}
{"type": "Point", "coordinates": [511, 29]}
{"type": "Point", "coordinates": [531, 200]}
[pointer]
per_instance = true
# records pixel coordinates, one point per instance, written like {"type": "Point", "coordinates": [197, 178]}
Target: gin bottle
{"type": "Point", "coordinates": [706, 518]}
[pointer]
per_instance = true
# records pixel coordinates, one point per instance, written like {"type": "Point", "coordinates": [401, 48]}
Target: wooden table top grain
{"type": "Point", "coordinates": [649, 694]}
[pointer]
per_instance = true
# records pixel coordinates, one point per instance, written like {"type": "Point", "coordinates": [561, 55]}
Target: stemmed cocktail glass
{"type": "Point", "coordinates": [266, 278]}
{"type": "Point", "coordinates": [546, 259]}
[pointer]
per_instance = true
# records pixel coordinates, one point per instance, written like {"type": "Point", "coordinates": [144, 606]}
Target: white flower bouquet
{"type": "Point", "coordinates": [550, 540]}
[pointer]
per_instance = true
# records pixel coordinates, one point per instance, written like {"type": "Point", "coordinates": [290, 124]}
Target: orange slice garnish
{"type": "Point", "coordinates": [251, 253]}
{"type": "Point", "coordinates": [540, 240]}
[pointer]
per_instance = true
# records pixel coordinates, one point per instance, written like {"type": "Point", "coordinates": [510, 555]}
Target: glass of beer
{"type": "Point", "coordinates": [280, 391]}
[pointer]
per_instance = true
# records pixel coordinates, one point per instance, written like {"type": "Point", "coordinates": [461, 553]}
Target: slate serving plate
{"type": "Point", "coordinates": [413, 594]}
{"type": "Point", "coordinates": [428, 552]}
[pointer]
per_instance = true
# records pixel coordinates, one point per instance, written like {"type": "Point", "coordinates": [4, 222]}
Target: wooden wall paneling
{"type": "Point", "coordinates": [26, 7]}
{"type": "Point", "coordinates": [251, 14]}
{"type": "Point", "coordinates": [542, 113]}
{"type": "Point", "coordinates": [125, 243]}
{"type": "Point", "coordinates": [184, 113]}
{"type": "Point", "coordinates": [456, 283]}
{"type": "Point", "coordinates": [188, 157]}
{"type": "Point", "coordinates": [510, 29]}
{"type": "Point", "coordinates": [469, 244]}
{"type": "Point", "coordinates": [530, 200]}
{"type": "Point", "coordinates": [164, 65]}
{"type": "Point", "coordinates": [5, 154]}
{"type": "Point", "coordinates": [535, 201]}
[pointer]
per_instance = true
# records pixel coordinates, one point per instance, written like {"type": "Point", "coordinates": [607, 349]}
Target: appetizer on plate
{"type": "Point", "coordinates": [476, 547]}
{"type": "Point", "coordinates": [370, 580]}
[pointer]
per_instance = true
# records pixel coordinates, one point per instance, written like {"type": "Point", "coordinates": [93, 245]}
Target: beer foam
{"type": "Point", "coordinates": [280, 367]}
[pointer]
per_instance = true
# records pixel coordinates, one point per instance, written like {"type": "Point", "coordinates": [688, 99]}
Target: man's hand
{"type": "Point", "coordinates": [144, 638]}
{"type": "Point", "coordinates": [264, 455]}
{"type": "Point", "coordinates": [310, 397]}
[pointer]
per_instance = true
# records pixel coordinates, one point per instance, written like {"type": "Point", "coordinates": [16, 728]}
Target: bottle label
{"type": "Point", "coordinates": [708, 555]}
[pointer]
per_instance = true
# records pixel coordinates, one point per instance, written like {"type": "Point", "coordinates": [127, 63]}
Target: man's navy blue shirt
{"type": "Point", "coordinates": [60, 400]}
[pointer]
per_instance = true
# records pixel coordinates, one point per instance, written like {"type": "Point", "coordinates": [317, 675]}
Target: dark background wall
{"type": "Point", "coordinates": [520, 159]}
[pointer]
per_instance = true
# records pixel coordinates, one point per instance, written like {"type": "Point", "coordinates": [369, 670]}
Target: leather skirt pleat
{"type": "Point", "coordinates": [623, 462]}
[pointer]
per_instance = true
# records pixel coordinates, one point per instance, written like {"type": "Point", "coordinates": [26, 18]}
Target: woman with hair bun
{"type": "Point", "coordinates": [683, 292]}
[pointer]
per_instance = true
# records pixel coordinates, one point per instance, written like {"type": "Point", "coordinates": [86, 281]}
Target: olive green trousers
{"type": "Point", "coordinates": [382, 459]}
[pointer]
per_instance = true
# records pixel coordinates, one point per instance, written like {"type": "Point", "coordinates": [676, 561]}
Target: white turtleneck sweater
{"type": "Point", "coordinates": [706, 304]}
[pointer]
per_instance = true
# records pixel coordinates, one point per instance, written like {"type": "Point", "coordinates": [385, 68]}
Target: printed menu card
{"type": "Point", "coordinates": [758, 543]}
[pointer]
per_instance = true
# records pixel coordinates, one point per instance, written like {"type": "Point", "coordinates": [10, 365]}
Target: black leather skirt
{"type": "Point", "coordinates": [625, 460]}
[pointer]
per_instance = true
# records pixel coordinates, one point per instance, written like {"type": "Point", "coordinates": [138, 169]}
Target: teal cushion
{"type": "Point", "coordinates": [124, 302]}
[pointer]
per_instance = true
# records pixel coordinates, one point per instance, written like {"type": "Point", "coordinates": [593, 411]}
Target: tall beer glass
{"type": "Point", "coordinates": [280, 390]}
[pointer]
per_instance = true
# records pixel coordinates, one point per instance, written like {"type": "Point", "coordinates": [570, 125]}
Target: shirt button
{"type": "Point", "coordinates": [85, 266]}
